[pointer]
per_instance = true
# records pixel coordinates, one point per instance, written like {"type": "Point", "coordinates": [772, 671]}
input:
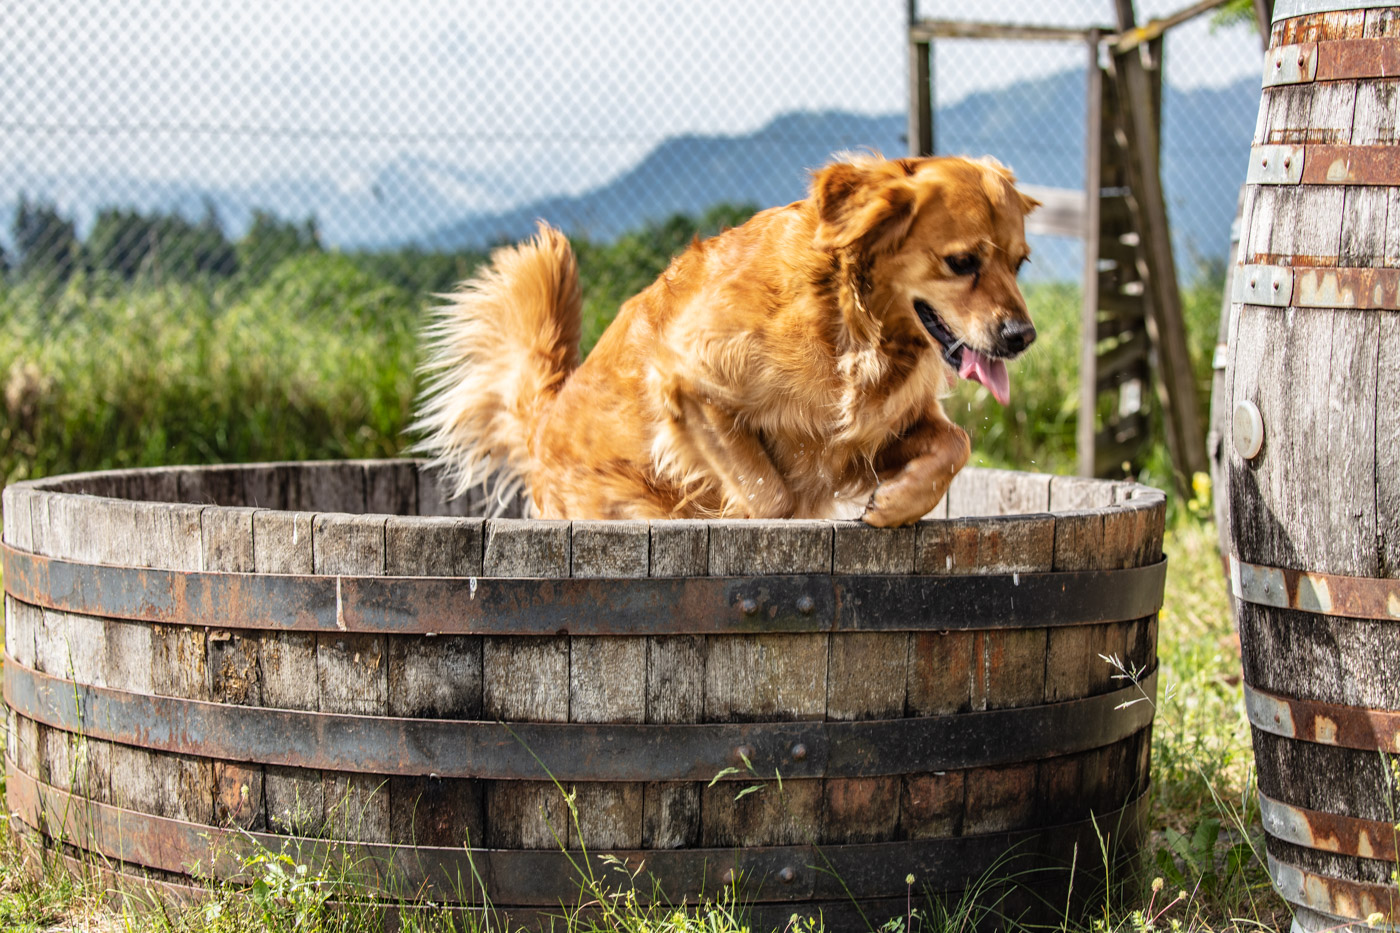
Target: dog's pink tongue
{"type": "Point", "coordinates": [990, 372]}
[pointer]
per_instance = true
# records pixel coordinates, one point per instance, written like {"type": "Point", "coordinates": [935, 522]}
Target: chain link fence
{"type": "Point", "coordinates": [168, 139]}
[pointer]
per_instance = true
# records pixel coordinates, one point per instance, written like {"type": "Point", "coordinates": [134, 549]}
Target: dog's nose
{"type": "Point", "coordinates": [1017, 335]}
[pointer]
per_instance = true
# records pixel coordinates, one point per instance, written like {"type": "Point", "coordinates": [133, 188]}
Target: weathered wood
{"type": "Point", "coordinates": [680, 548]}
{"type": "Point", "coordinates": [226, 539]}
{"type": "Point", "coordinates": [997, 492]}
{"type": "Point", "coordinates": [282, 543]}
{"type": "Point", "coordinates": [528, 548]}
{"type": "Point", "coordinates": [1374, 119]}
{"type": "Point", "coordinates": [1078, 540]}
{"type": "Point", "coordinates": [766, 678]}
{"type": "Point", "coordinates": [444, 547]}
{"type": "Point", "coordinates": [391, 487]}
{"type": "Point", "coordinates": [432, 811]}
{"type": "Point", "coordinates": [435, 496]}
{"type": "Point", "coordinates": [753, 678]}
{"type": "Point", "coordinates": [23, 623]}
{"type": "Point", "coordinates": [675, 679]}
{"type": "Point", "coordinates": [757, 547]}
{"type": "Point", "coordinates": [860, 809]}
{"type": "Point", "coordinates": [211, 485]}
{"type": "Point", "coordinates": [1070, 493]}
{"type": "Point", "coordinates": [610, 549]}
{"type": "Point", "coordinates": [169, 536]}
{"type": "Point", "coordinates": [18, 532]}
{"type": "Point", "coordinates": [946, 546]}
{"type": "Point", "coordinates": [931, 805]}
{"type": "Point", "coordinates": [1381, 24]}
{"type": "Point", "coordinates": [997, 799]}
{"type": "Point", "coordinates": [859, 548]}
{"type": "Point", "coordinates": [769, 816]}
{"type": "Point", "coordinates": [332, 486]}
{"type": "Point", "coordinates": [526, 680]}
{"type": "Point", "coordinates": [357, 806]}
{"type": "Point", "coordinates": [866, 679]}
{"type": "Point", "coordinates": [1387, 483]}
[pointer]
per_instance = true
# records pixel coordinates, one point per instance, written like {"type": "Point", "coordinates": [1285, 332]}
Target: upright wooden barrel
{"type": "Point", "coordinates": [1314, 473]}
{"type": "Point", "coordinates": [202, 660]}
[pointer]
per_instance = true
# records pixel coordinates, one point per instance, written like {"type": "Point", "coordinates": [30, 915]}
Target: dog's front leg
{"type": "Point", "coordinates": [915, 470]}
{"type": "Point", "coordinates": [752, 485]}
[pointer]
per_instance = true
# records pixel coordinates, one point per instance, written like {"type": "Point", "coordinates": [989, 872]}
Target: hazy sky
{"type": "Point", "coordinates": [217, 92]}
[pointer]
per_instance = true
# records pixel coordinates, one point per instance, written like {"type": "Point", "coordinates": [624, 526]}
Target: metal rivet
{"type": "Point", "coordinates": [1253, 282]}
{"type": "Point", "coordinates": [1287, 161]}
{"type": "Point", "coordinates": [743, 752]}
{"type": "Point", "coordinates": [1264, 162]}
{"type": "Point", "coordinates": [1278, 63]}
{"type": "Point", "coordinates": [1302, 60]}
{"type": "Point", "coordinates": [806, 605]}
{"type": "Point", "coordinates": [1248, 430]}
{"type": "Point", "coordinates": [799, 752]}
{"type": "Point", "coordinates": [748, 607]}
{"type": "Point", "coordinates": [1276, 286]}
{"type": "Point", "coordinates": [728, 877]}
{"type": "Point", "coordinates": [787, 875]}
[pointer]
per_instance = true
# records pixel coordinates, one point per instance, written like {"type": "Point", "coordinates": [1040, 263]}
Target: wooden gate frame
{"type": "Point", "coordinates": [1150, 344]}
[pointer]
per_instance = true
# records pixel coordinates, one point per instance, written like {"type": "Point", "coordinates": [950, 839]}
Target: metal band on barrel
{"type": "Point", "coordinates": [1323, 723]}
{"type": "Point", "coordinates": [1328, 832]}
{"type": "Point", "coordinates": [1323, 593]}
{"type": "Point", "coordinates": [536, 877]}
{"type": "Point", "coordinates": [1339, 897]}
{"type": "Point", "coordinates": [382, 605]}
{"type": "Point", "coordinates": [578, 751]}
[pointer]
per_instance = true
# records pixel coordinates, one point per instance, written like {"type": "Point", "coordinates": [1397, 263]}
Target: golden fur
{"type": "Point", "coordinates": [779, 369]}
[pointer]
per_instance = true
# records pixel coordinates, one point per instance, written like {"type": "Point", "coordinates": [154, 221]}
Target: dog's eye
{"type": "Point", "coordinates": [964, 263]}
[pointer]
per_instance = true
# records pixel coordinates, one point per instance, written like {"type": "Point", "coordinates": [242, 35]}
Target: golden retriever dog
{"type": "Point", "coordinates": [789, 367]}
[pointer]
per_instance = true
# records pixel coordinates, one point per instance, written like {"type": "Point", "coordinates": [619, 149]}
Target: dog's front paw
{"type": "Point", "coordinates": [891, 506]}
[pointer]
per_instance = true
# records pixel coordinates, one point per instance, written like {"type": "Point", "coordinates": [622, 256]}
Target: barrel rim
{"type": "Point", "coordinates": [1128, 493]}
{"type": "Point", "coordinates": [1288, 9]}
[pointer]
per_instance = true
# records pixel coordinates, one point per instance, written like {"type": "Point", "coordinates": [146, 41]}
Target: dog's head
{"type": "Point", "coordinates": [942, 239]}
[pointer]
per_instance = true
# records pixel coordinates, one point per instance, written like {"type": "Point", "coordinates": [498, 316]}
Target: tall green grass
{"type": "Point", "coordinates": [317, 360]}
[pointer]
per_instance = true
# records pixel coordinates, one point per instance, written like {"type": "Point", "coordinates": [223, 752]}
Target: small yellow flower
{"type": "Point", "coordinates": [1158, 884]}
{"type": "Point", "coordinates": [909, 878]}
{"type": "Point", "coordinates": [1375, 919]}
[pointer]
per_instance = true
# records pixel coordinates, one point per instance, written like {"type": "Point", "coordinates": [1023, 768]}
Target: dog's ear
{"type": "Point", "coordinates": [865, 205]}
{"type": "Point", "coordinates": [1028, 203]}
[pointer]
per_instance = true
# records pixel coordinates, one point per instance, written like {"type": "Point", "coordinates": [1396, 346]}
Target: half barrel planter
{"type": "Point", "coordinates": [199, 660]}
{"type": "Point", "coordinates": [1313, 383]}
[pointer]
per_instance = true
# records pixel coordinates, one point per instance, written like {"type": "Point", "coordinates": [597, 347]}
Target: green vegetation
{"type": "Point", "coordinates": [194, 349]}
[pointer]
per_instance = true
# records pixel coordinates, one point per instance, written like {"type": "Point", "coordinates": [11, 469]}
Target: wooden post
{"type": "Point", "coordinates": [920, 92]}
{"type": "Point", "coordinates": [1175, 383]}
{"type": "Point", "coordinates": [1089, 315]}
{"type": "Point", "coordinates": [1264, 17]}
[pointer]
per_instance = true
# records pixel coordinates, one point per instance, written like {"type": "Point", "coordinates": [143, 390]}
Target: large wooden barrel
{"type": "Point", "coordinates": [200, 660]}
{"type": "Point", "coordinates": [1314, 470]}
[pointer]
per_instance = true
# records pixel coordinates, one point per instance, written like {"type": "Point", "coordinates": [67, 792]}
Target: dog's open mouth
{"type": "Point", "coordinates": [970, 364]}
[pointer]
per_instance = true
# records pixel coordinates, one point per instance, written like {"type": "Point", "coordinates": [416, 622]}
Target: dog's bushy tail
{"type": "Point", "coordinates": [498, 352]}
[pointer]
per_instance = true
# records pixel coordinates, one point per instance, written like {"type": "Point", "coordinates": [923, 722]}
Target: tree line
{"type": "Point", "coordinates": [125, 243]}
